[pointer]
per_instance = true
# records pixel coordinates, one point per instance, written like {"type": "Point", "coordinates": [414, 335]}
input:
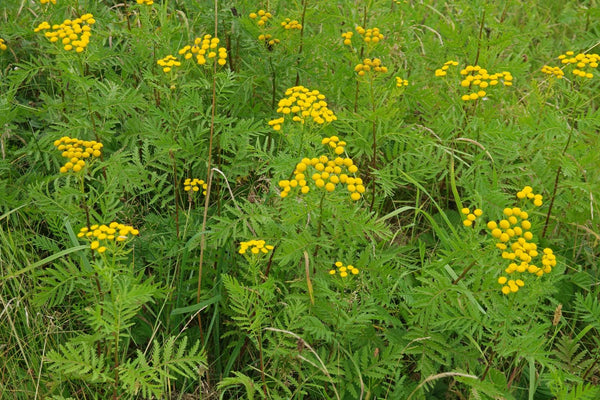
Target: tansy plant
{"type": "Point", "coordinates": [72, 34]}
{"type": "Point", "coordinates": [475, 79]}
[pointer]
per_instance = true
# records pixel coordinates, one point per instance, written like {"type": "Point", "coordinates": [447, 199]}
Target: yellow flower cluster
{"type": "Point", "coordinates": [255, 246]}
{"type": "Point", "coordinates": [76, 151]}
{"type": "Point", "coordinates": [343, 269]}
{"type": "Point", "coordinates": [100, 235]}
{"type": "Point", "coordinates": [401, 82]}
{"type": "Point", "coordinates": [470, 217]}
{"type": "Point", "coordinates": [348, 38]}
{"type": "Point", "coordinates": [291, 24]}
{"type": "Point", "coordinates": [371, 35]}
{"type": "Point", "coordinates": [515, 240]}
{"type": "Point", "coordinates": [47, 1]}
{"type": "Point", "coordinates": [264, 17]}
{"type": "Point", "coordinates": [556, 71]}
{"type": "Point", "coordinates": [168, 63]}
{"type": "Point", "coordinates": [328, 173]}
{"type": "Point", "coordinates": [3, 46]}
{"type": "Point", "coordinates": [268, 39]}
{"type": "Point", "coordinates": [335, 143]}
{"type": "Point", "coordinates": [73, 34]}
{"type": "Point", "coordinates": [527, 192]}
{"type": "Point", "coordinates": [302, 102]}
{"type": "Point", "coordinates": [447, 64]}
{"type": "Point", "coordinates": [203, 48]}
{"type": "Point", "coordinates": [194, 185]}
{"type": "Point", "coordinates": [146, 2]}
{"type": "Point", "coordinates": [477, 77]}
{"type": "Point", "coordinates": [583, 62]}
{"type": "Point", "coordinates": [370, 65]}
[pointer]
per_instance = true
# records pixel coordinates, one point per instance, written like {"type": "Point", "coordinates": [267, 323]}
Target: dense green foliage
{"type": "Point", "coordinates": [169, 306]}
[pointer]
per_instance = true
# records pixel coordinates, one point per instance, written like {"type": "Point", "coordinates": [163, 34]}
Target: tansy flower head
{"type": "Point", "coordinates": [268, 40]}
{"type": "Point", "coordinates": [301, 103]}
{"type": "Point", "coordinates": [343, 270]}
{"type": "Point", "coordinates": [553, 71]}
{"type": "Point", "coordinates": [76, 151]}
{"type": "Point", "coordinates": [516, 244]}
{"type": "Point", "coordinates": [371, 35]}
{"type": "Point", "coordinates": [445, 67]}
{"type": "Point", "coordinates": [291, 24]}
{"type": "Point", "coordinates": [328, 173]}
{"type": "Point", "coordinates": [255, 247]}
{"type": "Point", "coordinates": [347, 38]}
{"type": "Point", "coordinates": [71, 34]}
{"type": "Point", "coordinates": [101, 236]}
{"type": "Point", "coordinates": [401, 82]}
{"type": "Point", "coordinates": [168, 63]}
{"type": "Point", "coordinates": [261, 17]}
{"type": "Point", "coordinates": [146, 2]}
{"type": "Point", "coordinates": [3, 46]}
{"type": "Point", "coordinates": [582, 64]}
{"type": "Point", "coordinates": [47, 1]}
{"type": "Point", "coordinates": [194, 185]}
{"type": "Point", "coordinates": [476, 79]}
{"type": "Point", "coordinates": [470, 217]}
{"type": "Point", "coordinates": [370, 66]}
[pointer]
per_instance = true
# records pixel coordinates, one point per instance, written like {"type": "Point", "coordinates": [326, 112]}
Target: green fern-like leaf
{"type": "Point", "coordinates": [80, 361]}
{"type": "Point", "coordinates": [169, 361]}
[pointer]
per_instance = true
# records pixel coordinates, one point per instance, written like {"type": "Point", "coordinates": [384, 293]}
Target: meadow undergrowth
{"type": "Point", "coordinates": [376, 199]}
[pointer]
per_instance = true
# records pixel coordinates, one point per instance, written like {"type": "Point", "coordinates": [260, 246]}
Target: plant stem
{"type": "Point", "coordinates": [558, 171]}
{"type": "Point", "coordinates": [176, 188]}
{"type": "Point", "coordinates": [208, 180]}
{"type": "Point", "coordinates": [302, 20]}
{"type": "Point", "coordinates": [374, 134]}
{"type": "Point", "coordinates": [464, 273]}
{"type": "Point", "coordinates": [262, 364]}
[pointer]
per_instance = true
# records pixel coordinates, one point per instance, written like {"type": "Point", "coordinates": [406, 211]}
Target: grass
{"type": "Point", "coordinates": [171, 308]}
